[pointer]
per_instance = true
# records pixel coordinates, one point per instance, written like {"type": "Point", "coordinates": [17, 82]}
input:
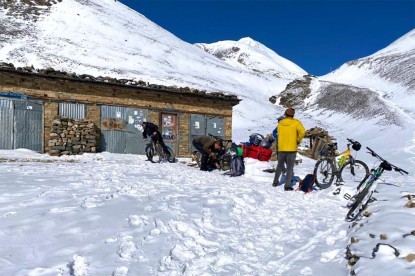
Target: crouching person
{"type": "Point", "coordinates": [208, 147]}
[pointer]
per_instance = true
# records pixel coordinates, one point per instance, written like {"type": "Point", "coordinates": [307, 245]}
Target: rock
{"type": "Point", "coordinates": [54, 152]}
{"type": "Point", "coordinates": [383, 237]}
{"type": "Point", "coordinates": [367, 213]}
{"type": "Point", "coordinates": [64, 142]}
{"type": "Point", "coordinates": [372, 236]}
{"type": "Point", "coordinates": [409, 204]}
{"type": "Point", "coordinates": [273, 99]}
{"type": "Point", "coordinates": [410, 258]}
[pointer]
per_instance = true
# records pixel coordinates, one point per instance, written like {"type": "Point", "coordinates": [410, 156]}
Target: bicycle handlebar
{"type": "Point", "coordinates": [396, 168]}
{"type": "Point", "coordinates": [351, 140]}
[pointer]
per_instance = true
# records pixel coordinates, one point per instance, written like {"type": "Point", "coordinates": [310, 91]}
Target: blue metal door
{"type": "Point", "coordinates": [28, 125]}
{"type": "Point", "coordinates": [6, 124]}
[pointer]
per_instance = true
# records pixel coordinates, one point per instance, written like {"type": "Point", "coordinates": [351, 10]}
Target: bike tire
{"type": "Point", "coordinates": [225, 164]}
{"type": "Point", "coordinates": [172, 156]}
{"type": "Point", "coordinates": [198, 158]}
{"type": "Point", "coordinates": [324, 173]}
{"type": "Point", "coordinates": [149, 152]}
{"type": "Point", "coordinates": [153, 154]}
{"type": "Point", "coordinates": [361, 202]}
{"type": "Point", "coordinates": [357, 172]}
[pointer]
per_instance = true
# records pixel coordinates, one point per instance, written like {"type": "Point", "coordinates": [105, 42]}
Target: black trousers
{"type": "Point", "coordinates": [205, 155]}
{"type": "Point", "coordinates": [159, 139]}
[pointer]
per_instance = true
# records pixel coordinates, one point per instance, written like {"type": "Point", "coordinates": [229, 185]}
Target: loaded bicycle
{"type": "Point", "coordinates": [366, 188]}
{"type": "Point", "coordinates": [342, 166]}
{"type": "Point", "coordinates": [155, 154]}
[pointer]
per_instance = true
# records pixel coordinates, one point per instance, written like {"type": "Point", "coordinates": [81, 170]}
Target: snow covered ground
{"type": "Point", "coordinates": [111, 214]}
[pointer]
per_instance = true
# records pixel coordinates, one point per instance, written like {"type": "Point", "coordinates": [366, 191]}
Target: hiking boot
{"type": "Point", "coordinates": [288, 189]}
{"type": "Point", "coordinates": [274, 184]}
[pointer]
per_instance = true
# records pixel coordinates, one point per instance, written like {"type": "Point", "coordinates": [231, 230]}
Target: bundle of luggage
{"type": "Point", "coordinates": [258, 147]}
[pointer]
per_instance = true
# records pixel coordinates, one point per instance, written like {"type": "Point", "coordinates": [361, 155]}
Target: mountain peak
{"type": "Point", "coordinates": [250, 54]}
{"type": "Point", "coordinates": [249, 41]}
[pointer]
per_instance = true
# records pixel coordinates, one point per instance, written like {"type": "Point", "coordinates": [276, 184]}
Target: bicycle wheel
{"type": "Point", "coordinates": [153, 153]}
{"type": "Point", "coordinates": [354, 173]}
{"type": "Point", "coordinates": [149, 152]}
{"type": "Point", "coordinates": [171, 158]}
{"type": "Point", "coordinates": [360, 203]}
{"type": "Point", "coordinates": [324, 173]}
{"type": "Point", "coordinates": [225, 164]}
{"type": "Point", "coordinates": [198, 157]}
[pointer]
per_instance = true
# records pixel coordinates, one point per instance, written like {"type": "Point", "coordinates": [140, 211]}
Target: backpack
{"type": "Point", "coordinates": [237, 166]}
{"type": "Point", "coordinates": [256, 139]}
{"type": "Point", "coordinates": [306, 185]}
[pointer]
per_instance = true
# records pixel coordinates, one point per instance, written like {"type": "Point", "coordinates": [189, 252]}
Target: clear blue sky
{"type": "Point", "coordinates": [318, 35]}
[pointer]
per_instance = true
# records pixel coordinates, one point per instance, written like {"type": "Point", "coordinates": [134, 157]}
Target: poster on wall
{"type": "Point", "coordinates": [168, 121]}
{"type": "Point", "coordinates": [168, 134]}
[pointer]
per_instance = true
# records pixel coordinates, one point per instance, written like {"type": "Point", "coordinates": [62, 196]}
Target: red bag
{"type": "Point", "coordinates": [260, 153]}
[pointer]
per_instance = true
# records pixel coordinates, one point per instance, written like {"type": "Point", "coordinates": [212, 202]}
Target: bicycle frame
{"type": "Point", "coordinates": [343, 158]}
{"type": "Point", "coordinates": [366, 188]}
{"type": "Point", "coordinates": [374, 176]}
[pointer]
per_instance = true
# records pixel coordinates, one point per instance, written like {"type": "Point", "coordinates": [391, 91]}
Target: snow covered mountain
{"type": "Point", "coordinates": [393, 65]}
{"type": "Point", "coordinates": [106, 38]}
{"type": "Point", "coordinates": [250, 54]}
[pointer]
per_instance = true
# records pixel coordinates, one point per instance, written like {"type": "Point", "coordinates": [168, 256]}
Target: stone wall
{"type": "Point", "coordinates": [71, 137]}
{"type": "Point", "coordinates": [184, 134]}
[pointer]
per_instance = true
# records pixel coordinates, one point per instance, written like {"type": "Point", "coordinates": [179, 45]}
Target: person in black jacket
{"type": "Point", "coordinates": [151, 130]}
{"type": "Point", "coordinates": [208, 147]}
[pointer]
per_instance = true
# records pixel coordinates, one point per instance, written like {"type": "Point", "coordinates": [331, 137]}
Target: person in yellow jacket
{"type": "Point", "coordinates": [290, 133]}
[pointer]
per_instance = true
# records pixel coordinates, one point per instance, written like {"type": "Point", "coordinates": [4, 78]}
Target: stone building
{"type": "Point", "coordinates": [30, 101]}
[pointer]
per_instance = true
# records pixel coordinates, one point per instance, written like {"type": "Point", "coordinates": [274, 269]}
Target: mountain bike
{"type": "Point", "coordinates": [155, 154]}
{"type": "Point", "coordinates": [366, 188]}
{"type": "Point", "coordinates": [346, 168]}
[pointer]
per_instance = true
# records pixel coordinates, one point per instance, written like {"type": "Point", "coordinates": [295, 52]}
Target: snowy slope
{"type": "Point", "coordinates": [250, 54]}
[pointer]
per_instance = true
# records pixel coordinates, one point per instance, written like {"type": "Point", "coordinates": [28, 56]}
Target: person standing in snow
{"type": "Point", "coordinates": [208, 147]}
{"type": "Point", "coordinates": [151, 130]}
{"type": "Point", "coordinates": [290, 133]}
